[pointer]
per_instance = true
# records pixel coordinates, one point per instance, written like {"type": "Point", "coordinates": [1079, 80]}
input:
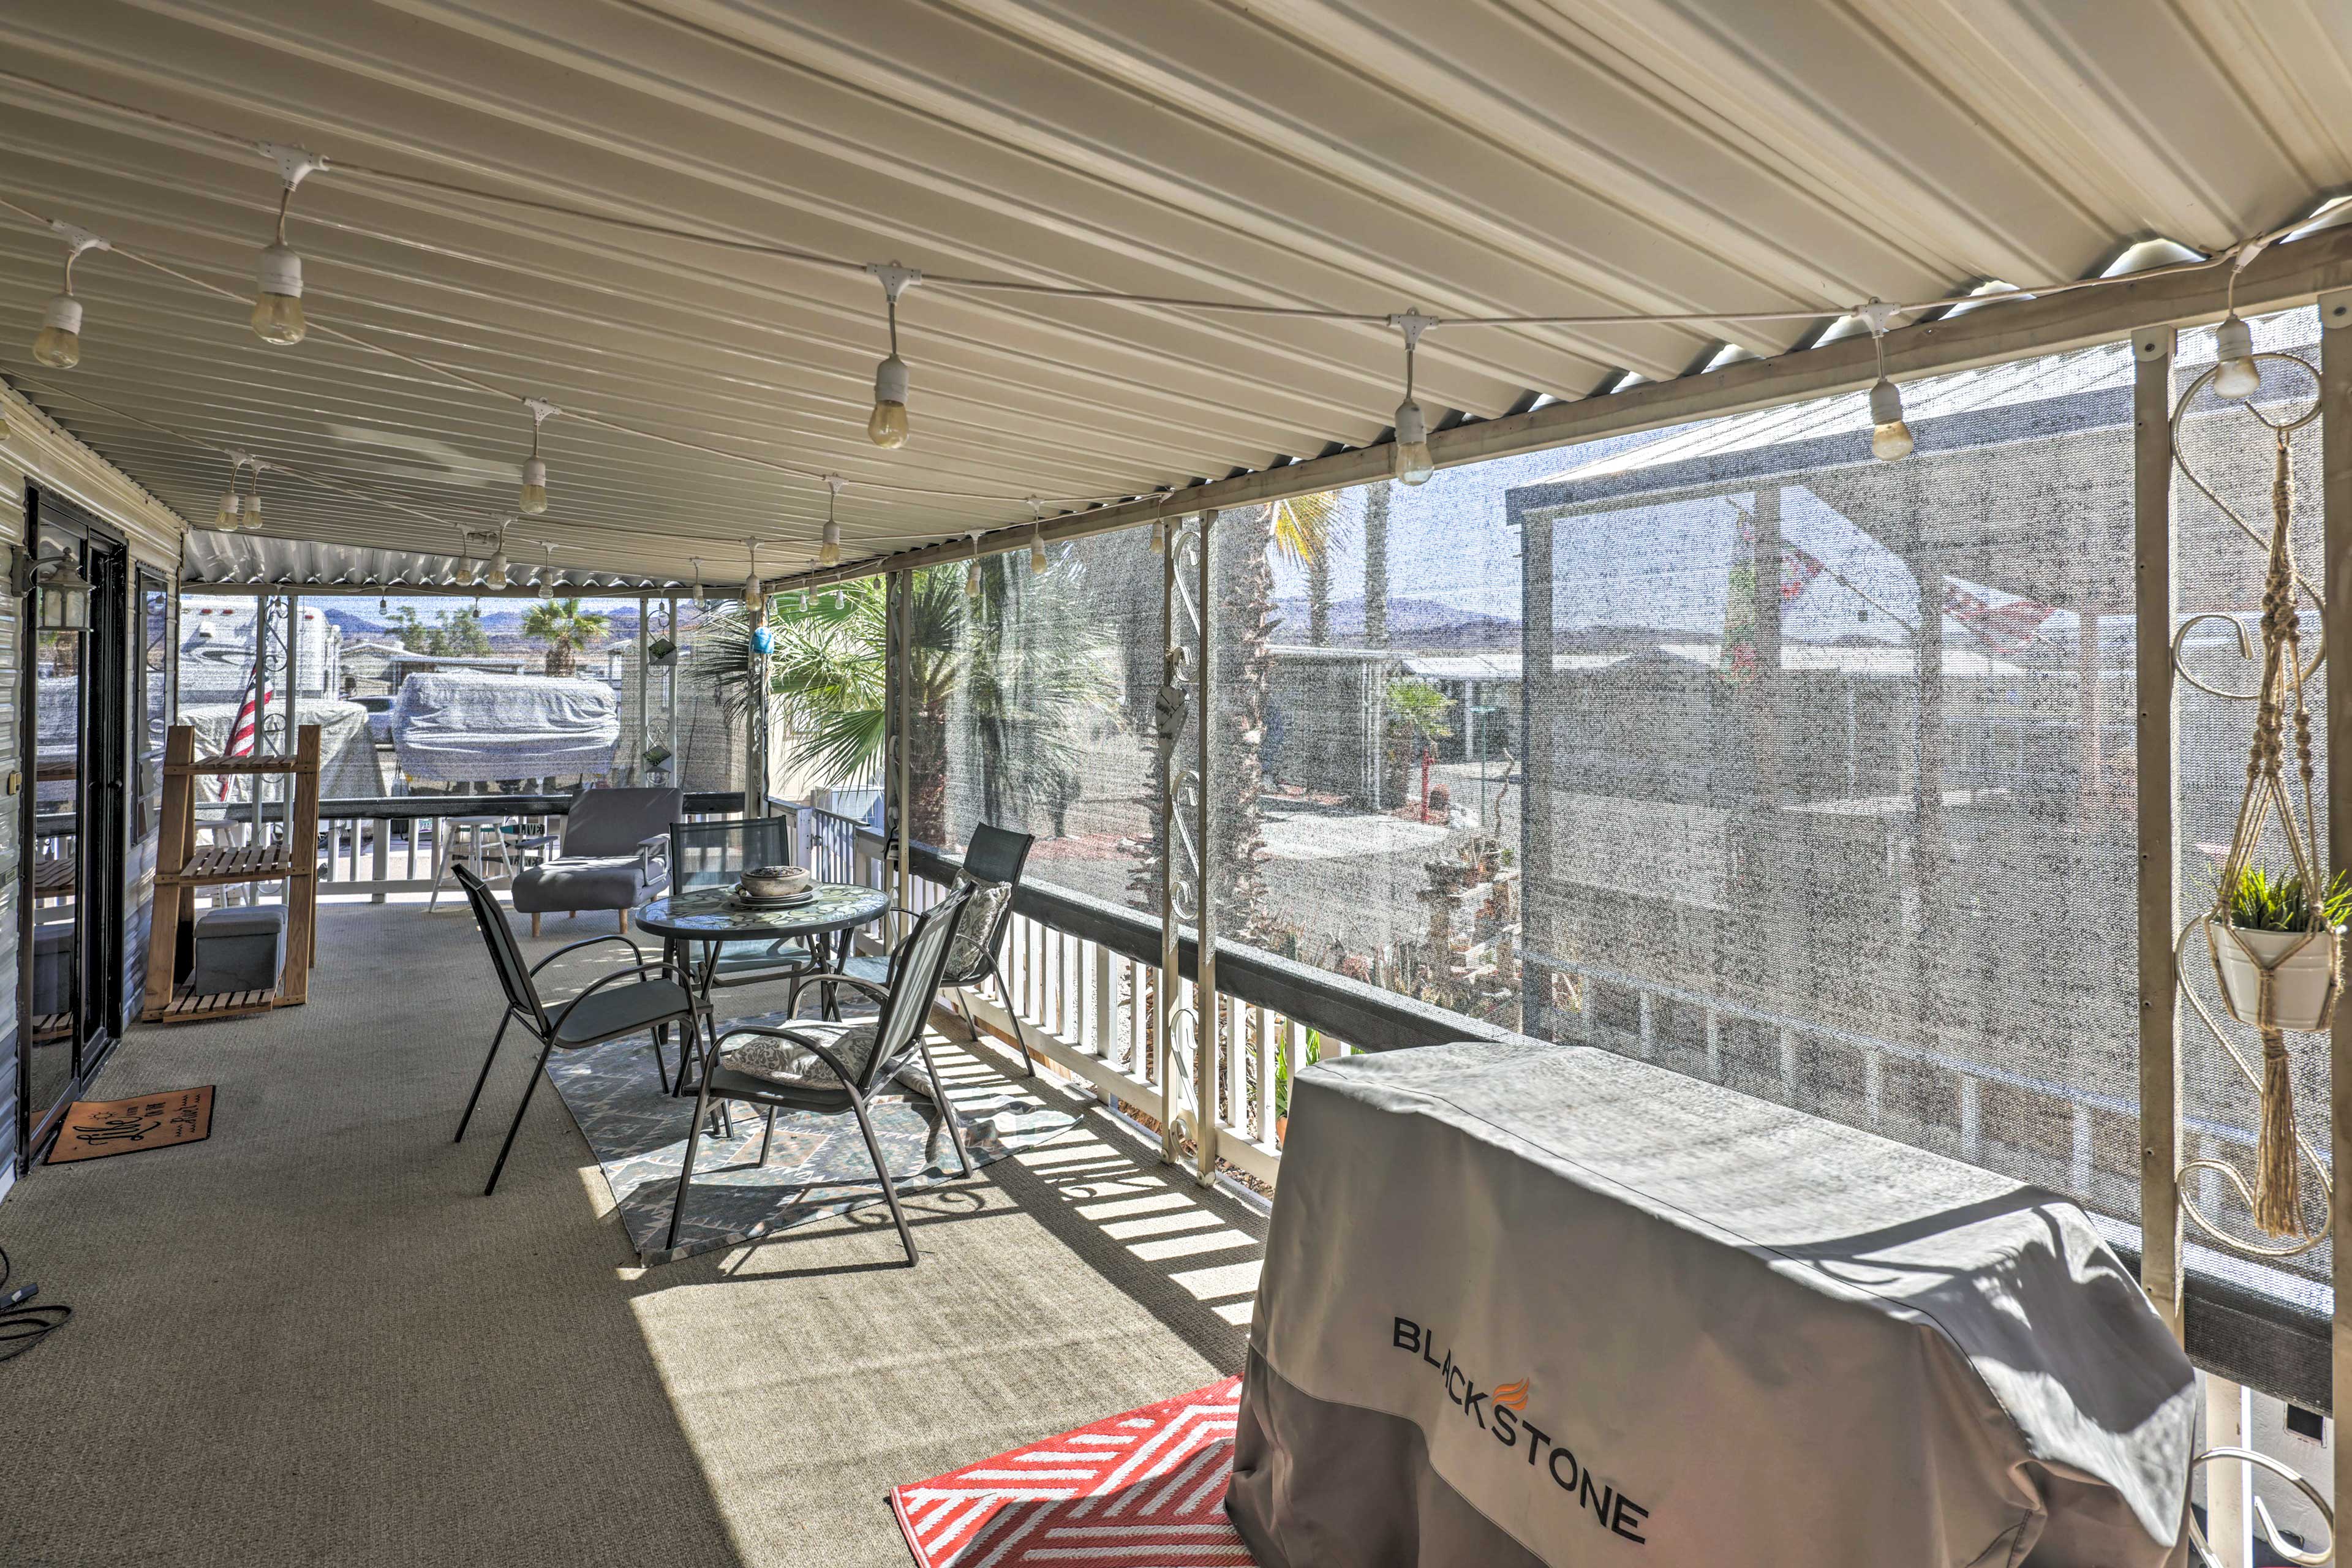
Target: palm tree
{"type": "Point", "coordinates": [565, 628]}
{"type": "Point", "coordinates": [1417, 711]}
{"type": "Point", "coordinates": [1023, 664]}
{"type": "Point", "coordinates": [1244, 543]}
{"type": "Point", "coordinates": [1302, 537]}
{"type": "Point", "coordinates": [1376, 564]}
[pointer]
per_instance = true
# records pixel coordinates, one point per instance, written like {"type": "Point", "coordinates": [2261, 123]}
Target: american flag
{"type": "Point", "coordinates": [242, 734]}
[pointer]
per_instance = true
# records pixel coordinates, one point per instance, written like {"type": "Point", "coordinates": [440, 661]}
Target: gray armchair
{"type": "Point", "coordinates": [614, 856]}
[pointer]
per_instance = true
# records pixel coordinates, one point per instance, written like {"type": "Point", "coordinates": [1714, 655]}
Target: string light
{"type": "Point", "coordinates": [972, 573]}
{"type": "Point", "coordinates": [58, 346]}
{"type": "Point", "coordinates": [828, 554]}
{"type": "Point", "coordinates": [1411, 464]}
{"type": "Point", "coordinates": [754, 602]}
{"type": "Point", "coordinates": [2238, 376]}
{"type": "Point", "coordinates": [497, 567]}
{"type": "Point", "coordinates": [534, 469]}
{"type": "Point", "coordinates": [1159, 540]}
{"type": "Point", "coordinates": [277, 308]}
{"type": "Point", "coordinates": [547, 575]}
{"type": "Point", "coordinates": [1037, 561]}
{"type": "Point", "coordinates": [1890, 438]}
{"type": "Point", "coordinates": [253, 501]}
{"type": "Point", "coordinates": [696, 561]}
{"type": "Point", "coordinates": [229, 518]}
{"type": "Point", "coordinates": [887, 427]}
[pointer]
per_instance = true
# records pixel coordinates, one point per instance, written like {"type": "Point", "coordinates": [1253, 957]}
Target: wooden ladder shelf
{"type": "Point", "coordinates": [180, 868]}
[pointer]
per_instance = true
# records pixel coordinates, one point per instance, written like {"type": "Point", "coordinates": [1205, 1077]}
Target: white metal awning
{"type": "Point", "coordinates": [1517, 157]}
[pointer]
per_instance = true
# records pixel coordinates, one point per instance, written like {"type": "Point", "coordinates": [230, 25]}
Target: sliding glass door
{"type": "Point", "coordinates": [76, 691]}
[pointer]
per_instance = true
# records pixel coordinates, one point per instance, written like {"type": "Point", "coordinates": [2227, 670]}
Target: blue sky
{"type": "Point", "coordinates": [1447, 539]}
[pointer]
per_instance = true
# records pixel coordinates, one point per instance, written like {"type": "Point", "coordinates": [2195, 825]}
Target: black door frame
{"type": "Point", "coordinates": [102, 844]}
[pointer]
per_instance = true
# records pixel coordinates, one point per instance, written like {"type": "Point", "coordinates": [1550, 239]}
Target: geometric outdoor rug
{"type": "Point", "coordinates": [1142, 1489]}
{"type": "Point", "coordinates": [817, 1166]}
{"type": "Point", "coordinates": [96, 1128]}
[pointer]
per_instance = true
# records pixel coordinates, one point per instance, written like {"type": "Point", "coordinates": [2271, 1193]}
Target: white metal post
{"type": "Point", "coordinates": [2336, 495]}
{"type": "Point", "coordinates": [2156, 738]}
{"type": "Point", "coordinates": [897, 814]}
{"type": "Point", "coordinates": [2229, 1488]}
{"type": "Point", "coordinates": [1208, 1057]}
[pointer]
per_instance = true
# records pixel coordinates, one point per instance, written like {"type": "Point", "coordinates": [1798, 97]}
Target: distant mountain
{"type": "Point", "coordinates": [502, 619]}
{"type": "Point", "coordinates": [1424, 624]}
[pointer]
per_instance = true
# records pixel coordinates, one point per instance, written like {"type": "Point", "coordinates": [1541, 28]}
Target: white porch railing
{"type": "Point", "coordinates": [1090, 1009]}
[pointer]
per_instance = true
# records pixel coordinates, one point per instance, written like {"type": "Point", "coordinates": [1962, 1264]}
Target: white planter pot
{"type": "Point", "coordinates": [2302, 984]}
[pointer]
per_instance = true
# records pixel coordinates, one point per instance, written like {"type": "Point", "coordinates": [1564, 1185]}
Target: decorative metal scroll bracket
{"type": "Point", "coordinates": [2303, 1154]}
{"type": "Point", "coordinates": [1186, 1069]}
{"type": "Point", "coordinates": [2261, 1510]}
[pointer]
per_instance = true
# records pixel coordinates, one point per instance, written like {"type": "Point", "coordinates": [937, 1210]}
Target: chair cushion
{"type": "Point", "coordinates": [582, 882]}
{"type": "Point", "coordinates": [870, 966]}
{"type": "Point", "coordinates": [967, 953]}
{"type": "Point", "coordinates": [795, 1066]}
{"type": "Point", "coordinates": [618, 1010]}
{"type": "Point", "coordinates": [249, 920]}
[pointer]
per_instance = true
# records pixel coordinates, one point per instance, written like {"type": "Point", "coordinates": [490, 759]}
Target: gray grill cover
{"type": "Point", "coordinates": [1526, 1304]}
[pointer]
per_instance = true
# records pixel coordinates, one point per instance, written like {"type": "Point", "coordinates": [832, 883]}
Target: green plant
{"type": "Point", "coordinates": [1417, 710]}
{"type": "Point", "coordinates": [1027, 659]}
{"type": "Point", "coordinates": [1313, 1054]}
{"type": "Point", "coordinates": [2264, 899]}
{"type": "Point", "coordinates": [565, 628]}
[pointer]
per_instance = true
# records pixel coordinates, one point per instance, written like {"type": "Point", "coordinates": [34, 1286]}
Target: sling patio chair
{"type": "Point", "coordinates": [826, 1066]}
{"type": "Point", "coordinates": [593, 1016]}
{"type": "Point", "coordinates": [715, 854]}
{"type": "Point", "coordinates": [992, 873]}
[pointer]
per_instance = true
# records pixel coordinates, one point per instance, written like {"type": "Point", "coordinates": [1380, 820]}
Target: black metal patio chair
{"type": "Point", "coordinates": [992, 863]}
{"type": "Point", "coordinates": [590, 1018]}
{"type": "Point", "coordinates": [827, 1067]}
{"type": "Point", "coordinates": [714, 855]}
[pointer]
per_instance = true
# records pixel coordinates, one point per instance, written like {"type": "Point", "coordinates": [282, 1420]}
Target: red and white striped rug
{"type": "Point", "coordinates": [1124, 1490]}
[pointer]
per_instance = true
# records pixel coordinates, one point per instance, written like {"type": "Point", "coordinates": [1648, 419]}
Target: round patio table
{"type": "Point", "coordinates": [711, 918]}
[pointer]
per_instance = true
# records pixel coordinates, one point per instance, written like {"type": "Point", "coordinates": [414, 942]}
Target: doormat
{"type": "Point", "coordinates": [1145, 1486]}
{"type": "Point", "coordinates": [96, 1128]}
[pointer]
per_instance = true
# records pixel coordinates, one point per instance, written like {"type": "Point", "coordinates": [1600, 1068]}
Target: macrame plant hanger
{"type": "Point", "coordinates": [2277, 1201]}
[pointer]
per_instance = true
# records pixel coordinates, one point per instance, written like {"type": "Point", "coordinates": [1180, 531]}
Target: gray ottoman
{"type": "Point", "coordinates": [239, 949]}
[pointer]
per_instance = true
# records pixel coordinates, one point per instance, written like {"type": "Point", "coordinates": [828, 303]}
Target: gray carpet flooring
{"type": "Point", "coordinates": [311, 1341]}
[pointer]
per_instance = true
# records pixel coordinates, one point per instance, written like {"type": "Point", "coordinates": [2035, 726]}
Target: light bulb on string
{"type": "Point", "coordinates": [253, 501]}
{"type": "Point", "coordinates": [972, 573]}
{"type": "Point", "coordinates": [886, 425]}
{"type": "Point", "coordinates": [533, 499]}
{"type": "Point", "coordinates": [1158, 539]}
{"type": "Point", "coordinates": [2237, 376]}
{"type": "Point", "coordinates": [1412, 463]}
{"type": "Point", "coordinates": [696, 561]}
{"type": "Point", "coordinates": [547, 575]}
{"type": "Point", "coordinates": [278, 306]}
{"type": "Point", "coordinates": [828, 551]}
{"type": "Point", "coordinates": [59, 345]}
{"type": "Point", "coordinates": [497, 565]}
{"type": "Point", "coordinates": [754, 601]}
{"type": "Point", "coordinates": [230, 516]}
{"type": "Point", "coordinates": [1890, 436]}
{"type": "Point", "coordinates": [1037, 561]}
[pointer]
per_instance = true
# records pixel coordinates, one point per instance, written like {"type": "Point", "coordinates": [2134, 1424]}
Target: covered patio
{"type": "Point", "coordinates": [422, 1376]}
{"type": "Point", "coordinates": [1458, 783]}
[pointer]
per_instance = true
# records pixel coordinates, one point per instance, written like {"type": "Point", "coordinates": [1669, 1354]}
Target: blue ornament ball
{"type": "Point", "coordinates": [763, 639]}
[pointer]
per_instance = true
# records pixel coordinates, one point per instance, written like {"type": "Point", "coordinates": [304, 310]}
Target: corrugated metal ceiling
{"type": "Point", "coordinates": [1505, 156]}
